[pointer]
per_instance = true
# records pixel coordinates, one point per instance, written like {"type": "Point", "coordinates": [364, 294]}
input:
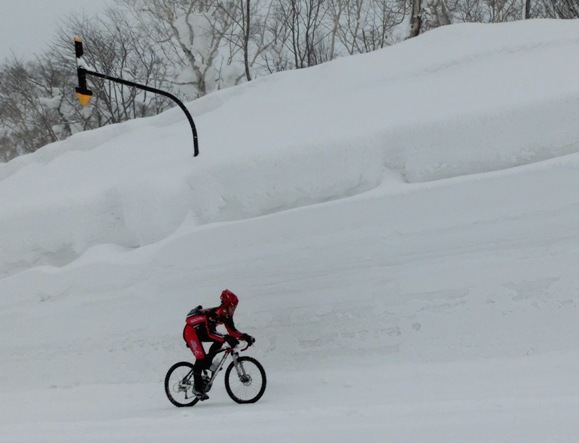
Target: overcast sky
{"type": "Point", "coordinates": [27, 26]}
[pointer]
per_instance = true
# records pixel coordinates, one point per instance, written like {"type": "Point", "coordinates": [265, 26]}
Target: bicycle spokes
{"type": "Point", "coordinates": [247, 383]}
{"type": "Point", "coordinates": [179, 384]}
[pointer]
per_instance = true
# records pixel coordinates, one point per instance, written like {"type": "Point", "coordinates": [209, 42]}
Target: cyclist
{"type": "Point", "coordinates": [201, 326]}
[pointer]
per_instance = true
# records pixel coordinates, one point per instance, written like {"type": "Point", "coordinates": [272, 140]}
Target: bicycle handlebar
{"type": "Point", "coordinates": [229, 348]}
{"type": "Point", "coordinates": [247, 345]}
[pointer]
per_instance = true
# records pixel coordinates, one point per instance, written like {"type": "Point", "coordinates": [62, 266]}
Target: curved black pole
{"type": "Point", "coordinates": [84, 93]}
{"type": "Point", "coordinates": [83, 71]}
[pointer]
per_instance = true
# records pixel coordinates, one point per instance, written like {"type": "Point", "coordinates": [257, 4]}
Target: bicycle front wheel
{"type": "Point", "coordinates": [245, 380]}
{"type": "Point", "coordinates": [179, 385]}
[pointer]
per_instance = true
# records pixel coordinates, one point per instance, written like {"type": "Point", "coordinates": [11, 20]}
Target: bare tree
{"type": "Point", "coordinates": [416, 18]}
{"type": "Point", "coordinates": [28, 103]}
{"type": "Point", "coordinates": [439, 13]}
{"type": "Point", "coordinates": [192, 35]}
{"type": "Point", "coordinates": [336, 10]}
{"type": "Point", "coordinates": [565, 9]}
{"type": "Point", "coordinates": [367, 25]}
{"type": "Point", "coordinates": [526, 9]}
{"type": "Point", "coordinates": [248, 33]}
{"type": "Point", "coordinates": [246, 16]}
{"type": "Point", "coordinates": [442, 12]}
{"type": "Point", "coordinates": [304, 21]}
{"type": "Point", "coordinates": [276, 58]}
{"type": "Point", "coordinates": [8, 146]}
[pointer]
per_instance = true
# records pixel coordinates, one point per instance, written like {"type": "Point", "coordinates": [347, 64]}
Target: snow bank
{"type": "Point", "coordinates": [494, 98]}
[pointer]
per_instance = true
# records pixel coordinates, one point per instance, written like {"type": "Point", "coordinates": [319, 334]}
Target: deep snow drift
{"type": "Point", "coordinates": [402, 228]}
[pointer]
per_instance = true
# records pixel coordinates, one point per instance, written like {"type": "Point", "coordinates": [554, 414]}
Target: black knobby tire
{"type": "Point", "coordinates": [250, 389]}
{"type": "Point", "coordinates": [179, 385]}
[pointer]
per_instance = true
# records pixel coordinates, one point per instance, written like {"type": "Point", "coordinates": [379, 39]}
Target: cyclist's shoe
{"type": "Point", "coordinates": [200, 394]}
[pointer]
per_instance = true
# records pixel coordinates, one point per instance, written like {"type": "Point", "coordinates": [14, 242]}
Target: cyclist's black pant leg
{"type": "Point", "coordinates": [197, 368]}
{"type": "Point", "coordinates": [216, 346]}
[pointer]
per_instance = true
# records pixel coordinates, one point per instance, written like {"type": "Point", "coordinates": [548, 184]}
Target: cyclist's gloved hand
{"type": "Point", "coordinates": [248, 338]}
{"type": "Point", "coordinates": [231, 341]}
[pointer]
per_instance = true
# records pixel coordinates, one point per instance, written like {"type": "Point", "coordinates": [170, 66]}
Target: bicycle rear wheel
{"type": "Point", "coordinates": [179, 384]}
{"type": "Point", "coordinates": [246, 383]}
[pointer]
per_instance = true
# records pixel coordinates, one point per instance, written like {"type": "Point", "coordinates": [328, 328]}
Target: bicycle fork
{"type": "Point", "coordinates": [245, 379]}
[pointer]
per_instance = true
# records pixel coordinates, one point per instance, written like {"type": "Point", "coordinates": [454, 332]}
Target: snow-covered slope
{"type": "Point", "coordinates": [402, 228]}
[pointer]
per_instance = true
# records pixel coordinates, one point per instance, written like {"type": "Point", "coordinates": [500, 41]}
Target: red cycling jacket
{"type": "Point", "coordinates": [203, 323]}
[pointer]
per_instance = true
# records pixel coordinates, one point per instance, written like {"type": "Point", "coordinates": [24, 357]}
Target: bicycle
{"type": "Point", "coordinates": [244, 385]}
